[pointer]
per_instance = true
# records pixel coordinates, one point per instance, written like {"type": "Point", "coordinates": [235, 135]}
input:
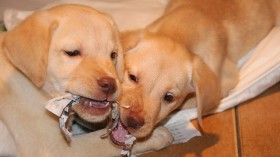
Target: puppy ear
{"type": "Point", "coordinates": [120, 58]}
{"type": "Point", "coordinates": [130, 39]}
{"type": "Point", "coordinates": [207, 88]}
{"type": "Point", "coordinates": [27, 45]}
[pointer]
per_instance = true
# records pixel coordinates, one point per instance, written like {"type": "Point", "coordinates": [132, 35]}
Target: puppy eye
{"type": "Point", "coordinates": [169, 97]}
{"type": "Point", "coordinates": [133, 78]}
{"type": "Point", "coordinates": [114, 55]}
{"type": "Point", "coordinates": [73, 53]}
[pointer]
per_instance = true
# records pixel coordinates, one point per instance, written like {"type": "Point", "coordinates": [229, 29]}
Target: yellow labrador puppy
{"type": "Point", "coordinates": [53, 49]}
{"type": "Point", "coordinates": [66, 49]}
{"type": "Point", "coordinates": [192, 50]}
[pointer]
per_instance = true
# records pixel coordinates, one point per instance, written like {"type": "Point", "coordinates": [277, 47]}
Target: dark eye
{"type": "Point", "coordinates": [114, 55]}
{"type": "Point", "coordinates": [169, 97]}
{"type": "Point", "coordinates": [73, 53]}
{"type": "Point", "coordinates": [133, 78]}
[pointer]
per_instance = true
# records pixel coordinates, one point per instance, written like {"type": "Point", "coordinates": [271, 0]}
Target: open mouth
{"type": "Point", "coordinates": [93, 107]}
{"type": "Point", "coordinates": [118, 134]}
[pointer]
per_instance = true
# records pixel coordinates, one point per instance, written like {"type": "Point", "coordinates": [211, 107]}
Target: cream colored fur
{"type": "Point", "coordinates": [34, 68]}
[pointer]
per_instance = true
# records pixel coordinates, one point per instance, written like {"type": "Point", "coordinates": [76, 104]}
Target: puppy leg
{"type": "Point", "coordinates": [159, 139]}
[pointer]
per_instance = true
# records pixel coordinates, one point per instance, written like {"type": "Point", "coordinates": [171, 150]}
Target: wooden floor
{"type": "Point", "coordinates": [252, 129]}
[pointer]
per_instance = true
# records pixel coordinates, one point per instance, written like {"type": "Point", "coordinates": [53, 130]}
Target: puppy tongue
{"type": "Point", "coordinates": [95, 103]}
{"type": "Point", "coordinates": [118, 134]}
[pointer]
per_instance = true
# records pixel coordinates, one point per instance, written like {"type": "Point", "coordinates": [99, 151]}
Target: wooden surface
{"type": "Point", "coordinates": [252, 129]}
{"type": "Point", "coordinates": [259, 125]}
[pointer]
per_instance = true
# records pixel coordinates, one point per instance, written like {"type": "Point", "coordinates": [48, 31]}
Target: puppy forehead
{"type": "Point", "coordinates": [162, 66]}
{"type": "Point", "coordinates": [85, 27]}
{"type": "Point", "coordinates": [158, 56]}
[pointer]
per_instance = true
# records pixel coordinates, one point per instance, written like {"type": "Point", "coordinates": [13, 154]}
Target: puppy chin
{"type": "Point", "coordinates": [142, 132]}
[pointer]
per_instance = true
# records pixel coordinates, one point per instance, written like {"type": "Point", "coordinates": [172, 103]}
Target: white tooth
{"type": "Point", "coordinates": [90, 103]}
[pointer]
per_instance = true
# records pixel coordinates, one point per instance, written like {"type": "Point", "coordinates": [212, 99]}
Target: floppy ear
{"type": "Point", "coordinates": [27, 45]}
{"type": "Point", "coordinates": [120, 60]}
{"type": "Point", "coordinates": [207, 88]}
{"type": "Point", "coordinates": [130, 39]}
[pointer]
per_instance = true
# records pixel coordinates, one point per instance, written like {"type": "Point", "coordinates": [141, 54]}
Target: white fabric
{"type": "Point", "coordinates": [258, 71]}
{"type": "Point", "coordinates": [128, 14]}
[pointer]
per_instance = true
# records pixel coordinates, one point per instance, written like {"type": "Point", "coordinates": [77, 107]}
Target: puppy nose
{"type": "Point", "coordinates": [108, 85]}
{"type": "Point", "coordinates": [135, 121]}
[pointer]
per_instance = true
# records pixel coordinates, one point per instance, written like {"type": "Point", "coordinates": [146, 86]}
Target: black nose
{"type": "Point", "coordinates": [135, 121]}
{"type": "Point", "coordinates": [108, 85]}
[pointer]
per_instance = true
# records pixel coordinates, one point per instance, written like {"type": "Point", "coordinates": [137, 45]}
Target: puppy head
{"type": "Point", "coordinates": [159, 75]}
{"type": "Point", "coordinates": [70, 48]}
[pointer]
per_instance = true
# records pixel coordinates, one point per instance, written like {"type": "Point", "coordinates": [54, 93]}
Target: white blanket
{"type": "Point", "coordinates": [259, 70]}
{"type": "Point", "coordinates": [128, 14]}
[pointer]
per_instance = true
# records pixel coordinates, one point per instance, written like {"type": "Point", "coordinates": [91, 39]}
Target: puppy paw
{"type": "Point", "coordinates": [159, 139]}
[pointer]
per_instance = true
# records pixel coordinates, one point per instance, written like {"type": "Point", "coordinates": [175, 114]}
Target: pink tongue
{"type": "Point", "coordinates": [119, 134]}
{"type": "Point", "coordinates": [96, 104]}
